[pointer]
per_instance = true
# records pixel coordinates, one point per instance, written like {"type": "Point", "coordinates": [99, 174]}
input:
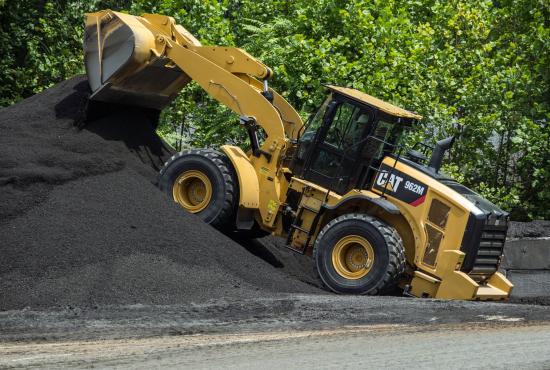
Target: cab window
{"type": "Point", "coordinates": [347, 127]}
{"type": "Point", "coordinates": [343, 138]}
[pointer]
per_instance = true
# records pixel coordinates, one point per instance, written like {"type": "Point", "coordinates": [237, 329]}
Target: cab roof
{"type": "Point", "coordinates": [374, 102]}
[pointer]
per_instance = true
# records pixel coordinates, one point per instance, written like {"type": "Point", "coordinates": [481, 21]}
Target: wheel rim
{"type": "Point", "coordinates": [192, 190]}
{"type": "Point", "coordinates": [353, 257]}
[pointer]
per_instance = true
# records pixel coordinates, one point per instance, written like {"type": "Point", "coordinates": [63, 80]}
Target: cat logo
{"type": "Point", "coordinates": [399, 185]}
{"type": "Point", "coordinates": [389, 181]}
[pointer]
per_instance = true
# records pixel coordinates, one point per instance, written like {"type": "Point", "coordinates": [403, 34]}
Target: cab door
{"type": "Point", "coordinates": [333, 158]}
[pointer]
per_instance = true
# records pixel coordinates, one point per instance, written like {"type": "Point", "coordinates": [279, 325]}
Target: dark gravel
{"type": "Point", "coordinates": [533, 229]}
{"type": "Point", "coordinates": [294, 312]}
{"type": "Point", "coordinates": [82, 224]}
{"type": "Point", "coordinates": [539, 300]}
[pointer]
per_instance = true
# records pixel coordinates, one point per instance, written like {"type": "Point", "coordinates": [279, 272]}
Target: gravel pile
{"type": "Point", "coordinates": [82, 223]}
{"type": "Point", "coordinates": [533, 229]}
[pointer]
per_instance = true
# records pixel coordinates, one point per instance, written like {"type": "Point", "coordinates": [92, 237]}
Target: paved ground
{"type": "Point", "coordinates": [379, 346]}
{"type": "Point", "coordinates": [294, 331]}
{"type": "Point", "coordinates": [285, 312]}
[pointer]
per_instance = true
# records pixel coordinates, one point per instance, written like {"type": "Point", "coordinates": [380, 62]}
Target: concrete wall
{"type": "Point", "coordinates": [526, 263]}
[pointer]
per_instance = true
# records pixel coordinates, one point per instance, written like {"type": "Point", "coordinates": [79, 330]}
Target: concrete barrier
{"type": "Point", "coordinates": [526, 263]}
{"type": "Point", "coordinates": [527, 254]}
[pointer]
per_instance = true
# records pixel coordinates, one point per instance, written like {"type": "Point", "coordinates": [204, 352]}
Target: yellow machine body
{"type": "Point", "coordinates": [147, 60]}
{"type": "Point", "coordinates": [437, 223]}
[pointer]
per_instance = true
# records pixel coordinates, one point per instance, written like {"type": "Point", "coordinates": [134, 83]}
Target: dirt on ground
{"type": "Point", "coordinates": [225, 315]}
{"type": "Point", "coordinates": [480, 346]}
{"type": "Point", "coordinates": [82, 223]}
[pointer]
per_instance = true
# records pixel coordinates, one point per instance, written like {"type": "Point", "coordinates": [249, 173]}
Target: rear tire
{"type": "Point", "coordinates": [203, 182]}
{"type": "Point", "coordinates": [359, 254]}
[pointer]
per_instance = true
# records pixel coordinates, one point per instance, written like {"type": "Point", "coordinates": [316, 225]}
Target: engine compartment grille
{"type": "Point", "coordinates": [489, 253]}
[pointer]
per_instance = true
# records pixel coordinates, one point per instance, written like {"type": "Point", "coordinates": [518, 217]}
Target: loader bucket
{"type": "Point", "coordinates": [121, 65]}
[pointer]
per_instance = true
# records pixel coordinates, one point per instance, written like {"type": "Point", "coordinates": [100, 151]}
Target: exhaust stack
{"type": "Point", "coordinates": [439, 151]}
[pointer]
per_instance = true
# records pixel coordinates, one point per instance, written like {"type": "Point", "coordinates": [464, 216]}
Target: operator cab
{"type": "Point", "coordinates": [344, 143]}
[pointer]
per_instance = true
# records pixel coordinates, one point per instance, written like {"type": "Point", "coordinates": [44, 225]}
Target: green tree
{"type": "Point", "coordinates": [481, 68]}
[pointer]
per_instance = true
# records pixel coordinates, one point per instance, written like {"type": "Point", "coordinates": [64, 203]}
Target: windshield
{"type": "Point", "coordinates": [316, 121]}
{"type": "Point", "coordinates": [347, 127]}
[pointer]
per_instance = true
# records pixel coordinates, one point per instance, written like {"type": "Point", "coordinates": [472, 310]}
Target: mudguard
{"type": "Point", "coordinates": [249, 188]}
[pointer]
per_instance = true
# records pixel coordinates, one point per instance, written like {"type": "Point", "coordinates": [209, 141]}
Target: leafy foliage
{"type": "Point", "coordinates": [480, 68]}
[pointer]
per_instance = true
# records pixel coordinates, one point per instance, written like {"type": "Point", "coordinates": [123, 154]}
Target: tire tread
{"type": "Point", "coordinates": [396, 249]}
{"type": "Point", "coordinates": [226, 217]}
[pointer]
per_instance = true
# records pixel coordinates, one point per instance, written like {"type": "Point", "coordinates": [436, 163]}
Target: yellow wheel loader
{"type": "Point", "coordinates": [337, 188]}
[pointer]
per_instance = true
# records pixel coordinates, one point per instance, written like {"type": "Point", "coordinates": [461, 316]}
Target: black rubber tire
{"type": "Point", "coordinates": [220, 212]}
{"type": "Point", "coordinates": [389, 252]}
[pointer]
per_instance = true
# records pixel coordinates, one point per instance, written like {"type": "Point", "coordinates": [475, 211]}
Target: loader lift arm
{"type": "Point", "coordinates": [147, 60]}
{"type": "Point", "coordinates": [230, 75]}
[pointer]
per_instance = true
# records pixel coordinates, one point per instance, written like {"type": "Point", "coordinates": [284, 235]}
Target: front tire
{"type": "Point", "coordinates": [359, 254]}
{"type": "Point", "coordinates": [203, 182]}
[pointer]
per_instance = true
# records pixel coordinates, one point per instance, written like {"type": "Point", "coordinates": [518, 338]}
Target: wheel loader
{"type": "Point", "coordinates": [339, 188]}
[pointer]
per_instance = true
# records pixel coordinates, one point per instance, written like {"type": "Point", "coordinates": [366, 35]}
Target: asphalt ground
{"type": "Point", "coordinates": [462, 346]}
{"type": "Point", "coordinates": [291, 331]}
{"type": "Point", "coordinates": [282, 311]}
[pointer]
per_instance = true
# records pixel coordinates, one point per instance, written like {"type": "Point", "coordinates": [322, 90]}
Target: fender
{"type": "Point", "coordinates": [385, 204]}
{"type": "Point", "coordinates": [249, 188]}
